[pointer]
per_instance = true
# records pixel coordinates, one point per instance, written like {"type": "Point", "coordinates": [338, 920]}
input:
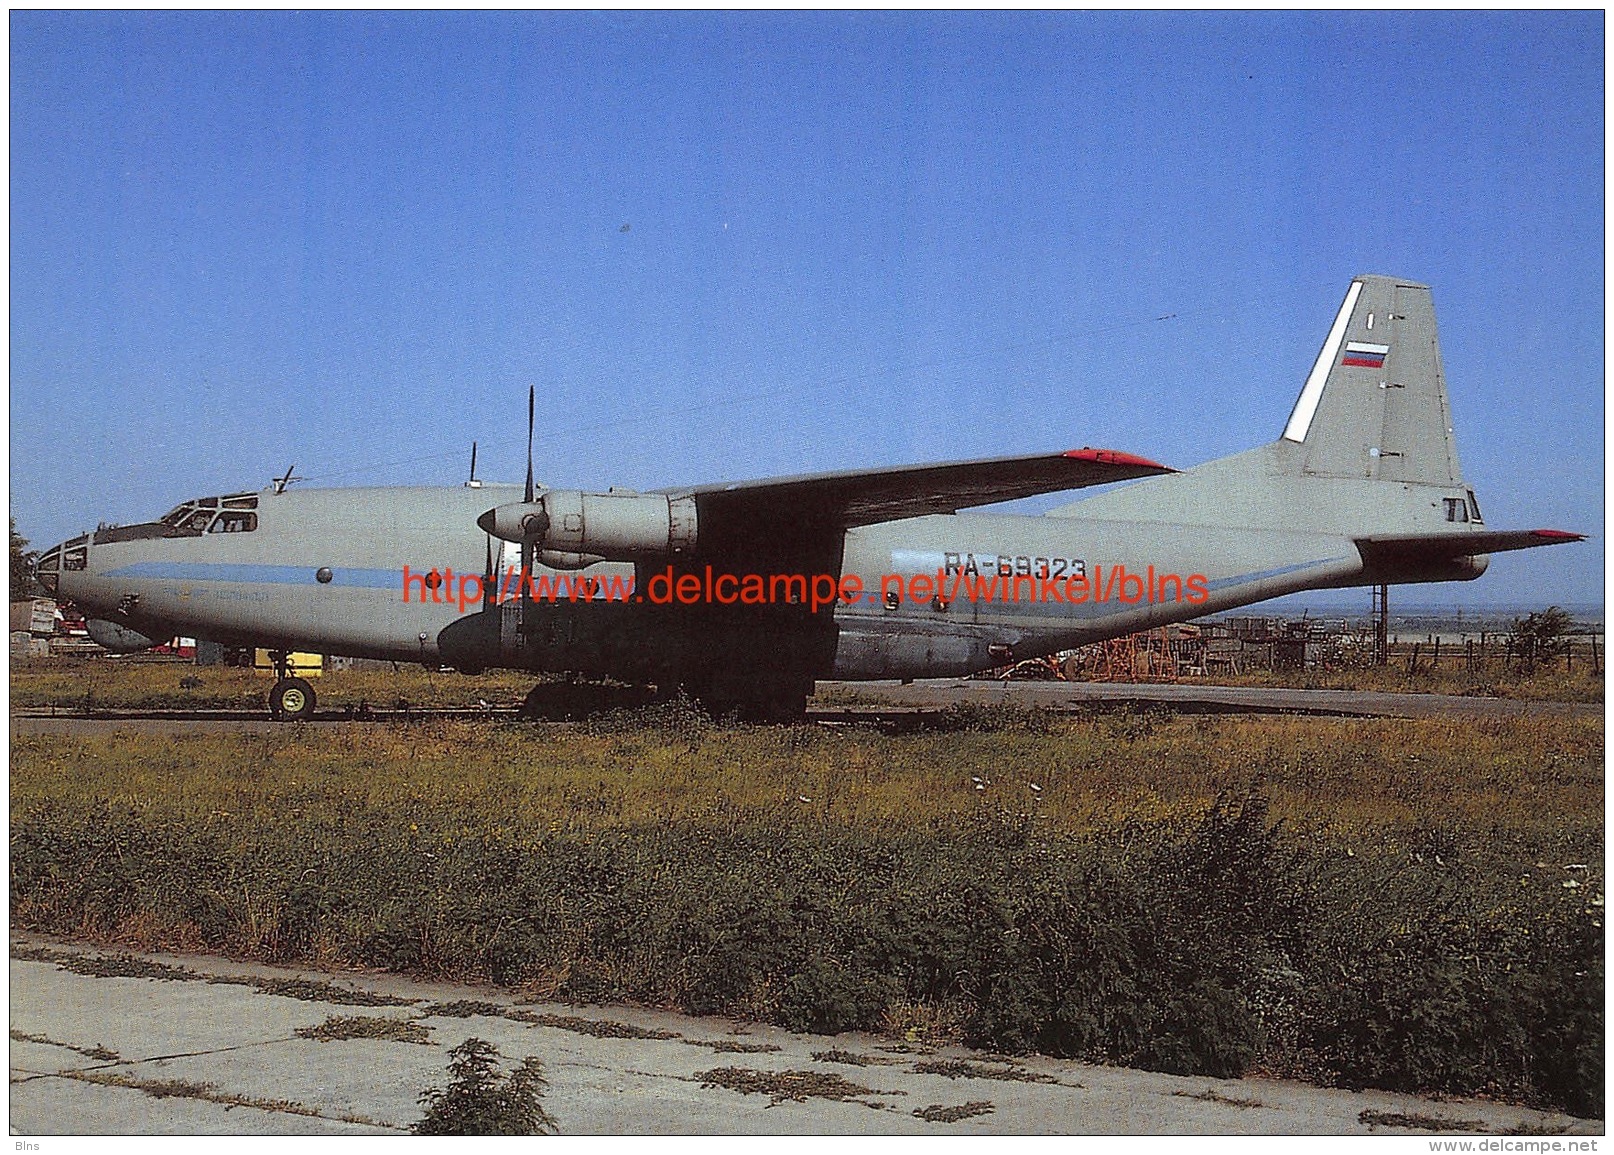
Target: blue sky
{"type": "Point", "coordinates": [736, 245]}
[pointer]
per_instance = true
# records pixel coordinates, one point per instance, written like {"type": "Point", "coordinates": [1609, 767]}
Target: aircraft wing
{"type": "Point", "coordinates": [1440, 546]}
{"type": "Point", "coordinates": [864, 497]}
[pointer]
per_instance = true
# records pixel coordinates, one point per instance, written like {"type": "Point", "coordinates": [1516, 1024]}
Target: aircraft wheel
{"type": "Point", "coordinates": [292, 700]}
{"type": "Point", "coordinates": [556, 702]}
{"type": "Point", "coordinates": [717, 709]}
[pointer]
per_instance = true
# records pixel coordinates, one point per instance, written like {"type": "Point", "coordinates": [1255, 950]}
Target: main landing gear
{"type": "Point", "coordinates": [291, 699]}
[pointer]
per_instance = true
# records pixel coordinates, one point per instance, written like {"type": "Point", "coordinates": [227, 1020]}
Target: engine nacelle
{"type": "Point", "coordinates": [603, 526]}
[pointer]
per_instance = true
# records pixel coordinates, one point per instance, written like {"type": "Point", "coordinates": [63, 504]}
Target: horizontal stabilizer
{"type": "Point", "coordinates": [1440, 546]}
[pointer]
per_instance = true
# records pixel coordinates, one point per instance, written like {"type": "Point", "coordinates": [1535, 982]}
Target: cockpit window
{"type": "Point", "coordinates": [197, 516]}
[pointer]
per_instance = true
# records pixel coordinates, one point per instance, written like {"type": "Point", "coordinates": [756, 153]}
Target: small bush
{"type": "Point", "coordinates": [480, 1101]}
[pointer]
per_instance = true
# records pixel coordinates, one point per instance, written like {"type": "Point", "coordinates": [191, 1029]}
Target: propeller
{"type": "Point", "coordinates": [534, 523]}
{"type": "Point", "coordinates": [528, 553]}
{"type": "Point", "coordinates": [528, 497]}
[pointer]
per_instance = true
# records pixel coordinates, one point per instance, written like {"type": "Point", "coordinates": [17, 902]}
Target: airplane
{"type": "Point", "coordinates": [1362, 487]}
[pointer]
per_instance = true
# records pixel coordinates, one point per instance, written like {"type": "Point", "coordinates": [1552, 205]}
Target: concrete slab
{"type": "Point", "coordinates": [213, 1052]}
{"type": "Point", "coordinates": [68, 1107]}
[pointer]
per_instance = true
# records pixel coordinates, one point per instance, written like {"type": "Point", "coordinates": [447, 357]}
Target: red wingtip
{"type": "Point", "coordinates": [1116, 457]}
{"type": "Point", "coordinates": [1558, 535]}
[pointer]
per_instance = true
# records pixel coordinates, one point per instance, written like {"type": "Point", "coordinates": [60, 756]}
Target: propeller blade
{"type": "Point", "coordinates": [490, 580]}
{"type": "Point", "coordinates": [528, 554]}
{"type": "Point", "coordinates": [530, 389]}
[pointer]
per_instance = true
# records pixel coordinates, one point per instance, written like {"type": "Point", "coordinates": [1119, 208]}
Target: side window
{"type": "Point", "coordinates": [1456, 509]}
{"type": "Point", "coordinates": [1473, 507]}
{"type": "Point", "coordinates": [234, 521]}
{"type": "Point", "coordinates": [187, 521]}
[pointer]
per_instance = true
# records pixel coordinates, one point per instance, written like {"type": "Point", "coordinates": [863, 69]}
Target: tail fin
{"type": "Point", "coordinates": [1368, 454]}
{"type": "Point", "coordinates": [1374, 406]}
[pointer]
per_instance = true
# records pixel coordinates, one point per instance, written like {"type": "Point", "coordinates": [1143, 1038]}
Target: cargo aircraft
{"type": "Point", "coordinates": [1362, 487]}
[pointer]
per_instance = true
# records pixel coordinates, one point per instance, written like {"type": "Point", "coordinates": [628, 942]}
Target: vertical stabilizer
{"type": "Point", "coordinates": [1374, 406]}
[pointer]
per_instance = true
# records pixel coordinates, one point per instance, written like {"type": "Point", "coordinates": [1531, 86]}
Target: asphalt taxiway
{"type": "Point", "coordinates": [107, 1043]}
{"type": "Point", "coordinates": [1197, 699]}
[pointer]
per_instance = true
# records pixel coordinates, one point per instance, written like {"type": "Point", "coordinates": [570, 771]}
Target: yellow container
{"type": "Point", "coordinates": [297, 665]}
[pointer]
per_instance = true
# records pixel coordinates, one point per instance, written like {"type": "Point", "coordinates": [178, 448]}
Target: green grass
{"type": "Point", "coordinates": [1408, 904]}
{"type": "Point", "coordinates": [1381, 779]}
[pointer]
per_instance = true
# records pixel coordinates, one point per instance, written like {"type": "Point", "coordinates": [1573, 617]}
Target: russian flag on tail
{"type": "Point", "coordinates": [1363, 354]}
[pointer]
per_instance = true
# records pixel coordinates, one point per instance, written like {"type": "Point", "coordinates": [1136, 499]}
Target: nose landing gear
{"type": "Point", "coordinates": [291, 699]}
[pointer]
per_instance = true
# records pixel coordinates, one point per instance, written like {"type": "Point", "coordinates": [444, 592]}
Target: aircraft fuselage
{"type": "Point", "coordinates": [942, 595]}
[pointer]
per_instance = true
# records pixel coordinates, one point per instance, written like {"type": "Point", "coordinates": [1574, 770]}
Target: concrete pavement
{"type": "Point", "coordinates": [110, 1043]}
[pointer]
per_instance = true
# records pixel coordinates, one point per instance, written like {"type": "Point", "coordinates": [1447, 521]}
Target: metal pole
{"type": "Point", "coordinates": [1381, 624]}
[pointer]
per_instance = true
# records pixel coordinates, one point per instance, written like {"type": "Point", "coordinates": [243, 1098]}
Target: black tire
{"type": "Point", "coordinates": [538, 704]}
{"type": "Point", "coordinates": [292, 700]}
{"type": "Point", "coordinates": [782, 708]}
{"type": "Point", "coordinates": [560, 702]}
